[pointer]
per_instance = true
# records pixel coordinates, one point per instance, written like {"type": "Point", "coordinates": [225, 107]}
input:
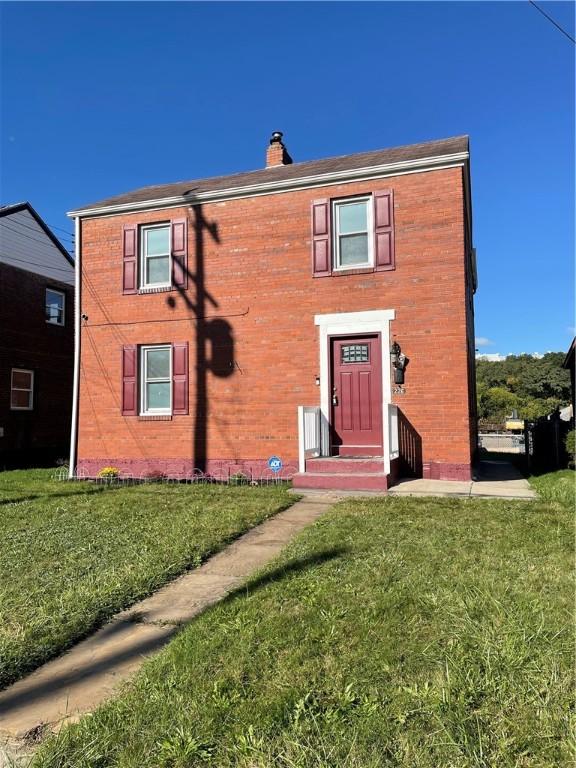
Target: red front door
{"type": "Point", "coordinates": [356, 381]}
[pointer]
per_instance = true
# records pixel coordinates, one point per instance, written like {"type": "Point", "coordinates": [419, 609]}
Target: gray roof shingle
{"type": "Point", "coordinates": [280, 173]}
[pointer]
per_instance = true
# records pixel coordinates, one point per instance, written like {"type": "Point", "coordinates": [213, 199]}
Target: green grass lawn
{"type": "Point", "coordinates": [395, 632]}
{"type": "Point", "coordinates": [73, 554]}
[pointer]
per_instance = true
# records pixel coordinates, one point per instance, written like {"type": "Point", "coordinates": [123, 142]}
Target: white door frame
{"type": "Point", "coordinates": [355, 323]}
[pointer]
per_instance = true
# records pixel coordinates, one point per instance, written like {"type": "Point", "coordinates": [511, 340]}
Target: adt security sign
{"type": "Point", "coordinates": [275, 464]}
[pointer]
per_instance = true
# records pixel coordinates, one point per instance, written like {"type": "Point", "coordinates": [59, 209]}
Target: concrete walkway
{"type": "Point", "coordinates": [77, 682]}
{"type": "Point", "coordinates": [493, 479]}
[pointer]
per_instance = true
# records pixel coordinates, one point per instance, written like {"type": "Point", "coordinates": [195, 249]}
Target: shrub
{"type": "Point", "coordinates": [570, 443]}
{"type": "Point", "coordinates": [109, 473]}
{"type": "Point", "coordinates": [155, 476]}
{"type": "Point", "coordinates": [239, 479]}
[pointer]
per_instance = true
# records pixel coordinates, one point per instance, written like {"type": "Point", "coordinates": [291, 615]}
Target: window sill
{"type": "Point", "coordinates": [159, 417]}
{"type": "Point", "coordinates": [58, 325]}
{"type": "Point", "coordinates": [352, 271]}
{"type": "Point", "coordinates": [157, 289]}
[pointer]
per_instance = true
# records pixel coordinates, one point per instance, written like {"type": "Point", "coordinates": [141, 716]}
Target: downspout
{"type": "Point", "coordinates": [77, 320]}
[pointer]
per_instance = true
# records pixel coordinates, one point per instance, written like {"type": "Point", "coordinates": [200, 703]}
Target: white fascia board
{"type": "Point", "coordinates": [285, 185]}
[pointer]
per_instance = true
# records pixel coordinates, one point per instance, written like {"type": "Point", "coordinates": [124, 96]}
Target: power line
{"type": "Point", "coordinates": [167, 320]}
{"type": "Point", "coordinates": [61, 229]}
{"type": "Point", "coordinates": [551, 20]}
{"type": "Point", "coordinates": [27, 226]}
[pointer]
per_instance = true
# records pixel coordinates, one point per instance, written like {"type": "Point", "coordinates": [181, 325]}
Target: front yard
{"type": "Point", "coordinates": [400, 633]}
{"type": "Point", "coordinates": [73, 554]}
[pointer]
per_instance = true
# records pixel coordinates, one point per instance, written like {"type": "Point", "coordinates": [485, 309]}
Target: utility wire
{"type": "Point", "coordinates": [53, 226]}
{"type": "Point", "coordinates": [37, 229]}
{"type": "Point", "coordinates": [551, 20]}
{"type": "Point", "coordinates": [167, 320]}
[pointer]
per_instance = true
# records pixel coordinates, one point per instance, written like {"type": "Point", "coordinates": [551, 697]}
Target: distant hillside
{"type": "Point", "coordinates": [531, 385]}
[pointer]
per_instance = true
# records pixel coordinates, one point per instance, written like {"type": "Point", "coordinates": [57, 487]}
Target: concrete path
{"type": "Point", "coordinates": [77, 682]}
{"type": "Point", "coordinates": [493, 479]}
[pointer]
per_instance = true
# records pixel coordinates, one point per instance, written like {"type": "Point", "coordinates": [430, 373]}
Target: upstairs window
{"type": "Point", "coordinates": [55, 301]}
{"type": "Point", "coordinates": [155, 257]}
{"type": "Point", "coordinates": [353, 234]}
{"type": "Point", "coordinates": [352, 228]}
{"type": "Point", "coordinates": [21, 390]}
{"type": "Point", "coordinates": [156, 381]}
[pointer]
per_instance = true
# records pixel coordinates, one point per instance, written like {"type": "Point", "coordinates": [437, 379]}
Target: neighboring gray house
{"type": "Point", "coordinates": [36, 340]}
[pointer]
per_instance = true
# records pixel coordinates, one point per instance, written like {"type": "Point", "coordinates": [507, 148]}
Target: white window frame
{"type": "Point", "coordinates": [336, 204]}
{"type": "Point", "coordinates": [144, 409]}
{"type": "Point", "coordinates": [30, 406]}
{"type": "Point", "coordinates": [60, 293]}
{"type": "Point", "coordinates": [143, 255]}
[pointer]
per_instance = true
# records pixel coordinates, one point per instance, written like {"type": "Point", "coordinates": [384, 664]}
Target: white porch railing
{"type": "Point", "coordinates": [309, 434]}
{"type": "Point", "coordinates": [393, 441]}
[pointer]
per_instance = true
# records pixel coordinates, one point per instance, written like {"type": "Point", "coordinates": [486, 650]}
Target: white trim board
{"type": "Point", "coordinates": [440, 162]}
{"type": "Point", "coordinates": [343, 323]}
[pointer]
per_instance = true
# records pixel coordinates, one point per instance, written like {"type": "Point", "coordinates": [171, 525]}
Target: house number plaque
{"type": "Point", "coordinates": [398, 390]}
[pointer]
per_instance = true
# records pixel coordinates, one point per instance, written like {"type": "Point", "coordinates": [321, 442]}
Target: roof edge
{"type": "Point", "coordinates": [26, 206]}
{"type": "Point", "coordinates": [435, 162]}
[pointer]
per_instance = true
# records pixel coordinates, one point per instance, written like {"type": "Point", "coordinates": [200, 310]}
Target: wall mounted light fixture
{"type": "Point", "coordinates": [399, 361]}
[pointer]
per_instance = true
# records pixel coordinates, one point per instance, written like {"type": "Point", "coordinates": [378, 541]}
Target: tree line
{"type": "Point", "coordinates": [532, 386]}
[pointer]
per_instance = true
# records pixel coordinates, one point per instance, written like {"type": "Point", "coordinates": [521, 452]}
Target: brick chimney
{"type": "Point", "coordinates": [277, 154]}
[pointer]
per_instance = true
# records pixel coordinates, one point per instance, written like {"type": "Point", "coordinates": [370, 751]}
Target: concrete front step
{"type": "Point", "coordinates": [345, 466]}
{"type": "Point", "coordinates": [357, 481]}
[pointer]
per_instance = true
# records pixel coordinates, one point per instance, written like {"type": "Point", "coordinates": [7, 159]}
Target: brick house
{"type": "Point", "coordinates": [317, 312]}
{"type": "Point", "coordinates": [36, 340]}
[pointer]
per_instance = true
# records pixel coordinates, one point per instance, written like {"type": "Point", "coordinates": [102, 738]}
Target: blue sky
{"type": "Point", "coordinates": [101, 98]}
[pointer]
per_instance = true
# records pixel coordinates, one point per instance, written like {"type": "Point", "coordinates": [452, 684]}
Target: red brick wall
{"type": "Point", "coordinates": [258, 304]}
{"type": "Point", "coordinates": [28, 341]}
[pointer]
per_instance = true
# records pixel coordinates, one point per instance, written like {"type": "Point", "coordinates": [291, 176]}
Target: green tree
{"type": "Point", "coordinates": [534, 386]}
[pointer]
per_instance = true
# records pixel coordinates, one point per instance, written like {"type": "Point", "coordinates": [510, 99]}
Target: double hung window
{"type": "Point", "coordinates": [353, 243]}
{"type": "Point", "coordinates": [156, 380]}
{"type": "Point", "coordinates": [21, 390]}
{"type": "Point", "coordinates": [155, 256]}
{"type": "Point", "coordinates": [353, 234]}
{"type": "Point", "coordinates": [55, 301]}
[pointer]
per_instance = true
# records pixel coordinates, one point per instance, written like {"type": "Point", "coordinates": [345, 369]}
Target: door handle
{"type": "Point", "coordinates": [334, 396]}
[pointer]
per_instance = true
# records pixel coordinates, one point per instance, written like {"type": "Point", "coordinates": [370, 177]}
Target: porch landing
{"type": "Point", "coordinates": [492, 479]}
{"type": "Point", "coordinates": [343, 473]}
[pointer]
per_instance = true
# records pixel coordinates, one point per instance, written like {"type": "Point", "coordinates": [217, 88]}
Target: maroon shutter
{"type": "Point", "coordinates": [180, 379]}
{"type": "Point", "coordinates": [130, 254]}
{"type": "Point", "coordinates": [384, 230]}
{"type": "Point", "coordinates": [321, 257]}
{"type": "Point", "coordinates": [129, 389]}
{"type": "Point", "coordinates": [180, 253]}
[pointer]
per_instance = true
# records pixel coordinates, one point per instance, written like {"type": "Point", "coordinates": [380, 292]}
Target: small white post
{"type": "Point", "coordinates": [301, 440]}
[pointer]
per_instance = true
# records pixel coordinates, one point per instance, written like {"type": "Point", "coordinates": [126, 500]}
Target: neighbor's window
{"type": "Point", "coordinates": [352, 223]}
{"type": "Point", "coordinates": [155, 256]}
{"type": "Point", "coordinates": [21, 390]}
{"type": "Point", "coordinates": [54, 307]}
{"type": "Point", "coordinates": [156, 380]}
